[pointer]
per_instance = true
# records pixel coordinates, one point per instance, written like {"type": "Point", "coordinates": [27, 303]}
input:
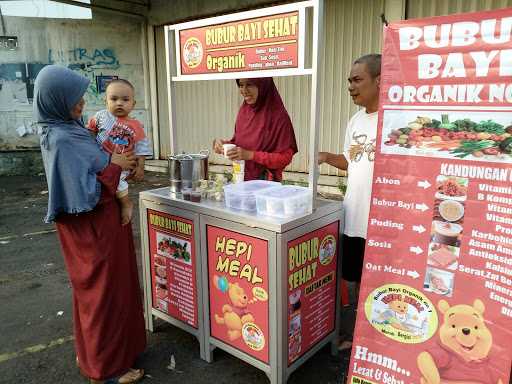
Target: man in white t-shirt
{"type": "Point", "coordinates": [357, 159]}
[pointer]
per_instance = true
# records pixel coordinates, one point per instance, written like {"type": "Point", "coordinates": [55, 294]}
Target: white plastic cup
{"type": "Point", "coordinates": [227, 147]}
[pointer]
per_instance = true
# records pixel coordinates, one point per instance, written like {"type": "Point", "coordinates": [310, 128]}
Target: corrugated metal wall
{"type": "Point", "coordinates": [426, 8]}
{"type": "Point", "coordinates": [207, 109]}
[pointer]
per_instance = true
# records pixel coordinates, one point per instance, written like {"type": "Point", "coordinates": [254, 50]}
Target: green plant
{"type": "Point", "coordinates": [300, 183]}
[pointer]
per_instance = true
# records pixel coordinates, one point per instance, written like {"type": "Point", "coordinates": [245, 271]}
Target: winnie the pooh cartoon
{"type": "Point", "coordinates": [234, 316]}
{"type": "Point", "coordinates": [397, 315]}
{"type": "Point", "coordinates": [461, 355]}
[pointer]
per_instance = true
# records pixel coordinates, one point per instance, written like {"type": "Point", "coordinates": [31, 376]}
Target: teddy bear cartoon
{"type": "Point", "coordinates": [462, 353]}
{"type": "Point", "coordinates": [397, 315]}
{"type": "Point", "coordinates": [234, 316]}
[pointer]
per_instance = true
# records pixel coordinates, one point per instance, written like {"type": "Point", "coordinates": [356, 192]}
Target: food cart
{"type": "Point", "coordinates": [263, 288]}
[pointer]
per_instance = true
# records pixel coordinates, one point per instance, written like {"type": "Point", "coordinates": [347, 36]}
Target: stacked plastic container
{"type": "Point", "coordinates": [269, 198]}
{"type": "Point", "coordinates": [242, 195]}
{"type": "Point", "coordinates": [284, 201]}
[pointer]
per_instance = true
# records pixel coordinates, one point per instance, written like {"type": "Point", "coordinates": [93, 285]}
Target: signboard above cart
{"type": "Point", "coordinates": [260, 43]}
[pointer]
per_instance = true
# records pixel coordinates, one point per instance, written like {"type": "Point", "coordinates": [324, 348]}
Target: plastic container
{"type": "Point", "coordinates": [284, 201]}
{"type": "Point", "coordinates": [241, 195]}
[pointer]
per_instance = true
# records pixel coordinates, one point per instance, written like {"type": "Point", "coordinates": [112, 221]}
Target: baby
{"type": "Point", "coordinates": [115, 131]}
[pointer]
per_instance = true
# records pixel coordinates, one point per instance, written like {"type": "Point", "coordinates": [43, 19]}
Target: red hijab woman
{"type": "Point", "coordinates": [264, 135]}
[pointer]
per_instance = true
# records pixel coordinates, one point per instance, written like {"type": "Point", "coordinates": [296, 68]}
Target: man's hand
{"type": "Point", "coordinates": [322, 157]}
{"type": "Point", "coordinates": [338, 161]}
{"type": "Point", "coordinates": [240, 154]}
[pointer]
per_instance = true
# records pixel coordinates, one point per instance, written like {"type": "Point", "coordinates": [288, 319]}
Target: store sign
{"type": "Point", "coordinates": [312, 262]}
{"type": "Point", "coordinates": [436, 296]}
{"type": "Point", "coordinates": [265, 43]}
{"type": "Point", "coordinates": [173, 266]}
{"type": "Point", "coordinates": [238, 291]}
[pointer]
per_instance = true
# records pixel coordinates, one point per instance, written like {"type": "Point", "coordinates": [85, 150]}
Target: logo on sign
{"type": "Point", "coordinates": [192, 52]}
{"type": "Point", "coordinates": [327, 250]}
{"type": "Point", "coordinates": [253, 336]}
{"type": "Point", "coordinates": [401, 313]}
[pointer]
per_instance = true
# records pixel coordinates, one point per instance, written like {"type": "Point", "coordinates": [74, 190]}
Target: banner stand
{"type": "Point", "coordinates": [435, 302]}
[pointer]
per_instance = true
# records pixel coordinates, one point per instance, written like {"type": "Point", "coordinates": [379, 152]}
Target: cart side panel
{"type": "Point", "coordinates": [241, 327]}
{"type": "Point", "coordinates": [238, 283]}
{"type": "Point", "coordinates": [172, 265]}
{"type": "Point", "coordinates": [311, 293]}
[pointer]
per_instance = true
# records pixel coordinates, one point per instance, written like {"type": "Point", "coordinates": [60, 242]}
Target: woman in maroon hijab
{"type": "Point", "coordinates": [264, 135]}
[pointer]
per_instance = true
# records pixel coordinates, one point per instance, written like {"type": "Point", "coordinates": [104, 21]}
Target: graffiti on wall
{"type": "Point", "coordinates": [81, 58]}
{"type": "Point", "coordinates": [17, 79]}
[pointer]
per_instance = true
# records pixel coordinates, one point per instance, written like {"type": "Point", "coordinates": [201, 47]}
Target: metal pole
{"type": "Point", "coordinates": [171, 99]}
{"type": "Point", "coordinates": [318, 39]}
{"type": "Point", "coordinates": [153, 96]}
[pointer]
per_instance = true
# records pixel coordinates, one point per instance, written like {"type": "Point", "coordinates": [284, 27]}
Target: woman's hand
{"type": "Point", "coordinates": [217, 146]}
{"type": "Point", "coordinates": [126, 160]}
{"type": "Point", "coordinates": [240, 154]}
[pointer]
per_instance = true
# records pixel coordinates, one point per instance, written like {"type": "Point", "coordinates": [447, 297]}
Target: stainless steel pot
{"type": "Point", "coordinates": [186, 170]}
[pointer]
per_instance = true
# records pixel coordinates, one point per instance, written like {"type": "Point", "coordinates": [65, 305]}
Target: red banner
{"type": "Point", "coordinates": [238, 286]}
{"type": "Point", "coordinates": [436, 296]}
{"type": "Point", "coordinates": [173, 266]}
{"type": "Point", "coordinates": [264, 43]}
{"type": "Point", "coordinates": [312, 261]}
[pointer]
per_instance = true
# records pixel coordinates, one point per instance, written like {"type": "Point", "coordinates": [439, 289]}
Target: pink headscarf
{"type": "Point", "coordinates": [263, 126]}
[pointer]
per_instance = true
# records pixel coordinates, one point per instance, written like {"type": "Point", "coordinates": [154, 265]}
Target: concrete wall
{"type": "Point", "coordinates": [109, 44]}
{"type": "Point", "coordinates": [168, 12]}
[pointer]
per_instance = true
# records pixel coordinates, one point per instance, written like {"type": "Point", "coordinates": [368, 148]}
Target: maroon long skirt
{"type": "Point", "coordinates": [107, 308]}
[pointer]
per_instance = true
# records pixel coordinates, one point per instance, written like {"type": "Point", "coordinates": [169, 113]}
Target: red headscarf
{"type": "Point", "coordinates": [263, 126]}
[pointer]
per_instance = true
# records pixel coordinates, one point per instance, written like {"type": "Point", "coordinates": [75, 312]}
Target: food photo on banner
{"type": "Point", "coordinates": [435, 303]}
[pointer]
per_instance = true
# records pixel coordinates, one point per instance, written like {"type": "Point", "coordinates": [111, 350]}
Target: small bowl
{"type": "Point", "coordinates": [186, 193]}
{"type": "Point", "coordinates": [195, 196]}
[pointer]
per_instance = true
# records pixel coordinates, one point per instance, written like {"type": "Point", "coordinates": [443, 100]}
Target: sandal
{"type": "Point", "coordinates": [132, 376]}
{"type": "Point", "coordinates": [344, 345]}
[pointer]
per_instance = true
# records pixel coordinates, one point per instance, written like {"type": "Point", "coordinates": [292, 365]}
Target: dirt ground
{"type": "Point", "coordinates": [36, 344]}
